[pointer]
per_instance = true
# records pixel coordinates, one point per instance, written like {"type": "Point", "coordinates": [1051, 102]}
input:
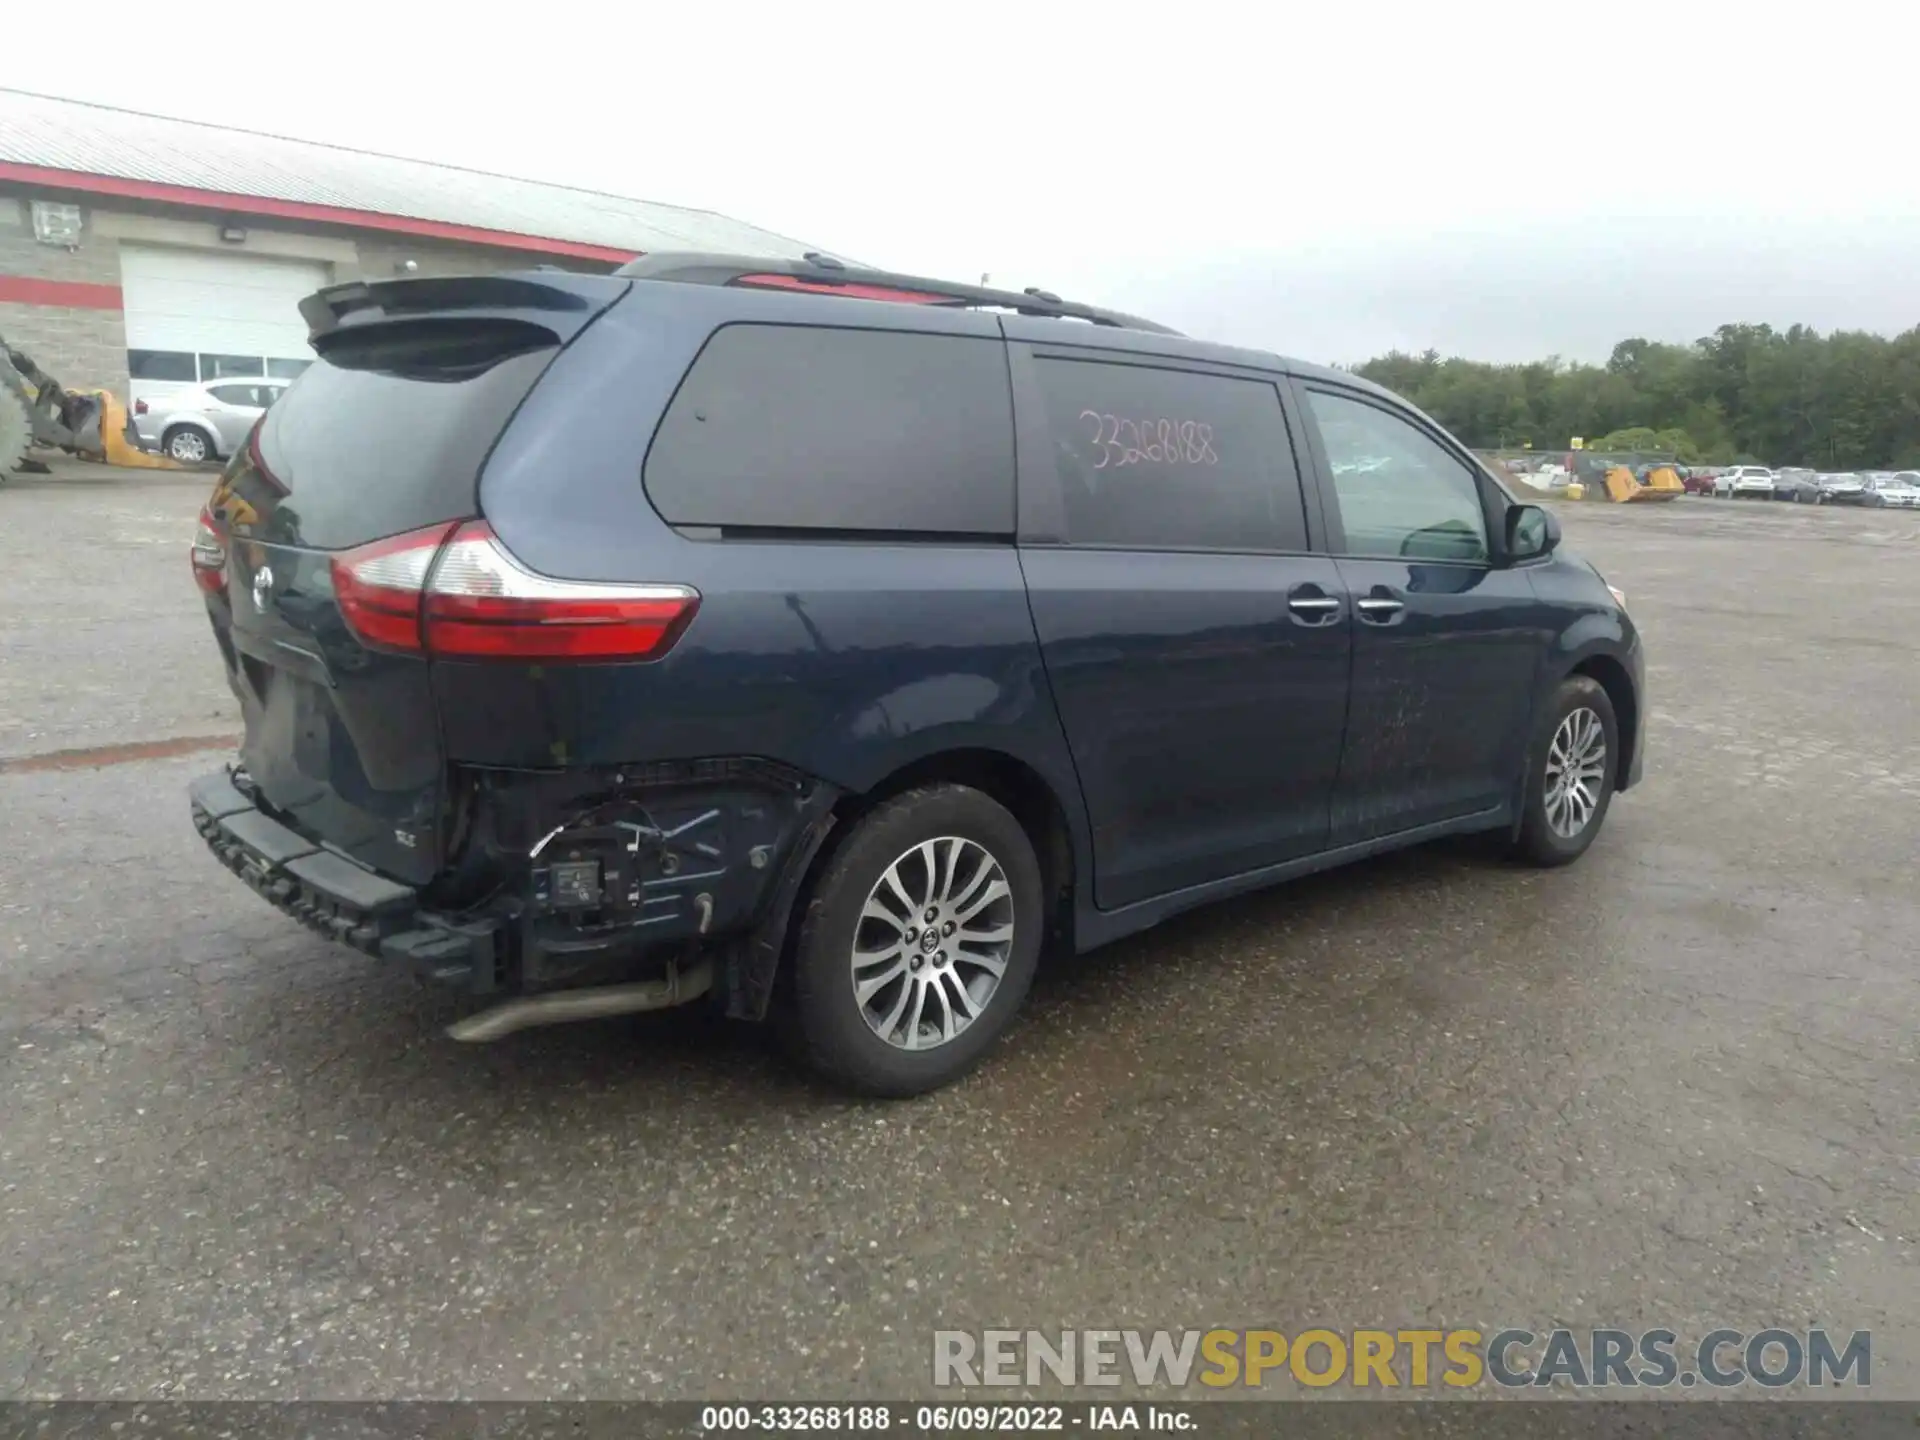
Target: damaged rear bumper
{"type": "Point", "coordinates": [337, 898]}
{"type": "Point", "coordinates": [604, 881]}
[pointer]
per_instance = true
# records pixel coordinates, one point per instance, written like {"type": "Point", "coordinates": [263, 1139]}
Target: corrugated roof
{"type": "Point", "coordinates": [88, 139]}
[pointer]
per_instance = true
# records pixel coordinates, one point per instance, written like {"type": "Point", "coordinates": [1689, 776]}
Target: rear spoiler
{"type": "Point", "coordinates": [559, 303]}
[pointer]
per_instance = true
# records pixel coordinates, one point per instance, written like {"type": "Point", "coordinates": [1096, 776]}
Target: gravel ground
{"type": "Point", "coordinates": [1673, 1085]}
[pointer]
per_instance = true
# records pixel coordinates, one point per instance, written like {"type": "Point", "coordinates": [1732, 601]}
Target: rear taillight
{"type": "Point", "coordinates": [459, 593]}
{"type": "Point", "coordinates": [481, 601]}
{"type": "Point", "coordinates": [139, 407]}
{"type": "Point", "coordinates": [209, 556]}
{"type": "Point", "coordinates": [378, 586]}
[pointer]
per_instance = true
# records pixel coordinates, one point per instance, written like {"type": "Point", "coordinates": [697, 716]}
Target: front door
{"type": "Point", "coordinates": [1197, 653]}
{"type": "Point", "coordinates": [1448, 643]}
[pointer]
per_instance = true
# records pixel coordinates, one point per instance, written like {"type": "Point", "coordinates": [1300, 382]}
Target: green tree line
{"type": "Point", "coordinates": [1844, 401]}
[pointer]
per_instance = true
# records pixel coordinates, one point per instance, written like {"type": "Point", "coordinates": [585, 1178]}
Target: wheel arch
{"type": "Point", "coordinates": [1010, 781]}
{"type": "Point", "coordinates": [1612, 676]}
{"type": "Point", "coordinates": [1041, 811]}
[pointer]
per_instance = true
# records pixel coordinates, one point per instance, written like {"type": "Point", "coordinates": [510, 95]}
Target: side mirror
{"type": "Point", "coordinates": [1531, 532]}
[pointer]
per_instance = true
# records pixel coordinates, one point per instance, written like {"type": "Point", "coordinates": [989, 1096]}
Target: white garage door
{"type": "Point", "coordinates": [203, 315]}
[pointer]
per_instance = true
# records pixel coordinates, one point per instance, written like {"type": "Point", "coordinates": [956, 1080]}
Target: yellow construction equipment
{"type": "Point", "coordinates": [36, 410]}
{"type": "Point", "coordinates": [1661, 484]}
{"type": "Point", "coordinates": [115, 446]}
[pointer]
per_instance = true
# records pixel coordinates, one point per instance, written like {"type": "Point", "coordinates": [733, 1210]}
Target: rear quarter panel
{"type": "Point", "coordinates": [847, 660]}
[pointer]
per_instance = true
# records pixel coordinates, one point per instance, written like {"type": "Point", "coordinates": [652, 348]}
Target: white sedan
{"type": "Point", "coordinates": [200, 423]}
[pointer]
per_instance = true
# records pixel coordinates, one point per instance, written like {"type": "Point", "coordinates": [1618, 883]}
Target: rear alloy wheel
{"type": "Point", "coordinates": [1575, 757]}
{"type": "Point", "coordinates": [933, 943]}
{"type": "Point", "coordinates": [918, 942]}
{"type": "Point", "coordinates": [189, 446]}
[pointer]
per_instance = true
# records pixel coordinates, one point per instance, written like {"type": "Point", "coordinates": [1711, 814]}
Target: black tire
{"type": "Point", "coordinates": [181, 433]}
{"type": "Point", "coordinates": [828, 1027]}
{"type": "Point", "coordinates": [1538, 842]}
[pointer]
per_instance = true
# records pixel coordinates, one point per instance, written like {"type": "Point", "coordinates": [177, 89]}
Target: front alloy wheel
{"type": "Point", "coordinates": [1570, 771]}
{"type": "Point", "coordinates": [1576, 770]}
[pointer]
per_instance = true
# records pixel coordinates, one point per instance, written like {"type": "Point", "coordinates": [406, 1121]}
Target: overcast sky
{"type": "Point", "coordinates": [1501, 180]}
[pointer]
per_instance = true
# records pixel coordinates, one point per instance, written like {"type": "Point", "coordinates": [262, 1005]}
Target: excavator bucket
{"type": "Point", "coordinates": [1621, 486]}
{"type": "Point", "coordinates": [1662, 484]}
{"type": "Point", "coordinates": [114, 442]}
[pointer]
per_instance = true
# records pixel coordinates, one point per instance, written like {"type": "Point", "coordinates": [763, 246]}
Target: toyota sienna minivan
{"type": "Point", "coordinates": [822, 644]}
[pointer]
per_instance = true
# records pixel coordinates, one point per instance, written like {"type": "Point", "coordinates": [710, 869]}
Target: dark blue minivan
{"type": "Point", "coordinates": [821, 644]}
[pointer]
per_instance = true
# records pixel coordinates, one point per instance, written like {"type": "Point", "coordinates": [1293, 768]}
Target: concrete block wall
{"type": "Point", "coordinates": [84, 349]}
{"type": "Point", "coordinates": [82, 346]}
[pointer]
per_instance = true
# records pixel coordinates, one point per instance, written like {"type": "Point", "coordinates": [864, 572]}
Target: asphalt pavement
{"type": "Point", "coordinates": [1674, 1085]}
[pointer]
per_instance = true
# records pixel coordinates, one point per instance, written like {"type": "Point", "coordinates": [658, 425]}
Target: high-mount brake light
{"type": "Point", "coordinates": [851, 290]}
{"type": "Point", "coordinates": [456, 591]}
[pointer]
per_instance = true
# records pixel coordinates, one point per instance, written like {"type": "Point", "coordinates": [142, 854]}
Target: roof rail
{"type": "Point", "coordinates": [820, 274]}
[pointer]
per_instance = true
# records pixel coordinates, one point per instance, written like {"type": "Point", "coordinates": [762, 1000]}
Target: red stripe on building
{"type": "Point", "coordinates": [157, 193]}
{"type": "Point", "coordinates": [24, 290]}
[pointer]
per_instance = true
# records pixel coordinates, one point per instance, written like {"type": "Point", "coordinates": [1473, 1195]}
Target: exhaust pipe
{"type": "Point", "coordinates": [557, 1008]}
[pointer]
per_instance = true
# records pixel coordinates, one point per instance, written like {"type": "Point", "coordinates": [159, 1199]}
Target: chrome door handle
{"type": "Point", "coordinates": [1313, 605]}
{"type": "Point", "coordinates": [1379, 608]}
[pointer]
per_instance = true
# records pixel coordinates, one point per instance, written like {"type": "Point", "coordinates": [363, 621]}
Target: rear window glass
{"type": "Point", "coordinates": [1171, 459]}
{"type": "Point", "coordinates": [805, 428]}
{"type": "Point", "coordinates": [348, 455]}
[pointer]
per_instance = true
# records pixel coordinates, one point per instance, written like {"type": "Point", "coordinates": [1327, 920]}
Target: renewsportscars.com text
{"type": "Point", "coordinates": [1390, 1359]}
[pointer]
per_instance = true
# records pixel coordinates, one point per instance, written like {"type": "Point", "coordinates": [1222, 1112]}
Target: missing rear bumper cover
{"type": "Point", "coordinates": [564, 882]}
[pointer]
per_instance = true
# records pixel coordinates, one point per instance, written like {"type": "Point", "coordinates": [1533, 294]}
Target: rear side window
{"type": "Point", "coordinates": [1171, 459]}
{"type": "Point", "coordinates": [375, 443]}
{"type": "Point", "coordinates": [788, 427]}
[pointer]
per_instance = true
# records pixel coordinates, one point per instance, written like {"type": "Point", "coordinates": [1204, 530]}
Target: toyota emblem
{"type": "Point", "coordinates": [262, 586]}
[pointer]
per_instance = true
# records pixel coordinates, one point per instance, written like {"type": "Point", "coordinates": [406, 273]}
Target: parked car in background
{"type": "Point", "coordinates": [1896, 491]}
{"type": "Point", "coordinates": [1700, 480]}
{"type": "Point", "coordinates": [1802, 486]}
{"type": "Point", "coordinates": [204, 422]}
{"type": "Point", "coordinates": [1751, 481]}
{"type": "Point", "coordinates": [591, 707]}
{"type": "Point", "coordinates": [1840, 489]}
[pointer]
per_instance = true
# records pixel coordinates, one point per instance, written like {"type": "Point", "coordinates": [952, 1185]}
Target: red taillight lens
{"type": "Point", "coordinates": [209, 556]}
{"type": "Point", "coordinates": [139, 407]}
{"type": "Point", "coordinates": [378, 586]}
{"type": "Point", "coordinates": [459, 593]}
{"type": "Point", "coordinates": [482, 602]}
